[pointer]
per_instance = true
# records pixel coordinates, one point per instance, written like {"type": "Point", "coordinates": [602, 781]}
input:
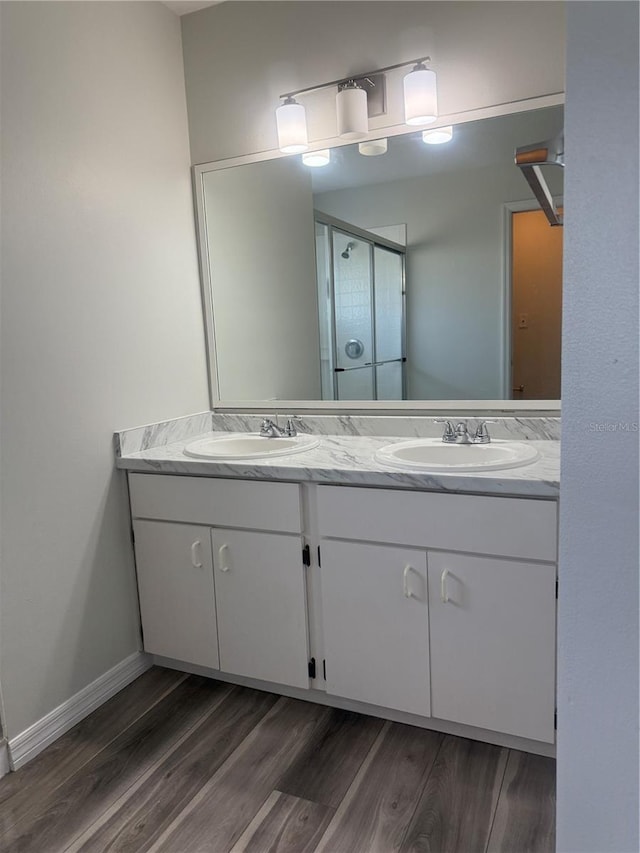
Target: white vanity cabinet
{"type": "Point", "coordinates": [492, 628]}
{"type": "Point", "coordinates": [261, 604]}
{"type": "Point", "coordinates": [175, 587]}
{"type": "Point", "coordinates": [484, 625]}
{"type": "Point", "coordinates": [220, 574]}
{"type": "Point", "coordinates": [439, 606]}
{"type": "Point", "coordinates": [376, 625]}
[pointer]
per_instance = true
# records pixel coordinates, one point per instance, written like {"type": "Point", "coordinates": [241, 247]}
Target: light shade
{"type": "Point", "coordinates": [420, 96]}
{"type": "Point", "coordinates": [292, 127]}
{"type": "Point", "coordinates": [373, 148]}
{"type": "Point", "coordinates": [317, 158]}
{"type": "Point", "coordinates": [351, 108]}
{"type": "Point", "coordinates": [438, 135]}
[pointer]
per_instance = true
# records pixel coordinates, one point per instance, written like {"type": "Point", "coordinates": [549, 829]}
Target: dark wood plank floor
{"type": "Point", "coordinates": [180, 764]}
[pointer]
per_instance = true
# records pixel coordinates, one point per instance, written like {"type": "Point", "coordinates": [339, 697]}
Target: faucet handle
{"type": "Point", "coordinates": [449, 432]}
{"type": "Point", "coordinates": [267, 428]}
{"type": "Point", "coordinates": [290, 427]}
{"type": "Point", "coordinates": [295, 424]}
{"type": "Point", "coordinates": [266, 423]}
{"type": "Point", "coordinates": [482, 433]}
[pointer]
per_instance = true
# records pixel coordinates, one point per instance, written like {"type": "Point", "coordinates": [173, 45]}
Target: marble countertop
{"type": "Point", "coordinates": [349, 460]}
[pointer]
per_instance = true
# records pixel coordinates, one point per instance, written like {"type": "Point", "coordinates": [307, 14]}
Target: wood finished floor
{"type": "Point", "coordinates": [179, 763]}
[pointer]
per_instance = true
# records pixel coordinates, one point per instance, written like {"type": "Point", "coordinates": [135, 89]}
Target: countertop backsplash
{"type": "Point", "coordinates": [142, 438]}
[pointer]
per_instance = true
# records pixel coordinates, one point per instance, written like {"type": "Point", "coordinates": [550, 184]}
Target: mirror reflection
{"type": "Point", "coordinates": [406, 271]}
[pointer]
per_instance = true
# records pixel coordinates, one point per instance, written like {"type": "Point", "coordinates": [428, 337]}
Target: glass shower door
{"type": "Point", "coordinates": [389, 323]}
{"type": "Point", "coordinates": [353, 312]}
{"type": "Point", "coordinates": [360, 280]}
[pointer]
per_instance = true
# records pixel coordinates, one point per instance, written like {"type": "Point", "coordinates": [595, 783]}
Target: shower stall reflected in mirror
{"type": "Point", "coordinates": [361, 310]}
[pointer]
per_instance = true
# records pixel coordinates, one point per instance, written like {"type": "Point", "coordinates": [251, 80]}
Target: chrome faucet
{"type": "Point", "coordinates": [460, 433]}
{"type": "Point", "coordinates": [270, 429]}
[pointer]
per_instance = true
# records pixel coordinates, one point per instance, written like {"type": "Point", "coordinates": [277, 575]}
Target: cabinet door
{"type": "Point", "coordinates": [175, 584]}
{"type": "Point", "coordinates": [261, 602]}
{"type": "Point", "coordinates": [376, 624]}
{"type": "Point", "coordinates": [493, 643]}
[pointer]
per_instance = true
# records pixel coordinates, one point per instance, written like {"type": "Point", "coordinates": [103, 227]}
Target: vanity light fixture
{"type": "Point", "coordinates": [438, 135]}
{"type": "Point", "coordinates": [351, 110]}
{"type": "Point", "coordinates": [373, 148]}
{"type": "Point", "coordinates": [291, 120]}
{"type": "Point", "coordinates": [420, 95]}
{"type": "Point", "coordinates": [315, 159]}
{"type": "Point", "coordinates": [420, 105]}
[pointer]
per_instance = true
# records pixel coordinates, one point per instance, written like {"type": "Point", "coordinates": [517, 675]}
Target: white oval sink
{"type": "Point", "coordinates": [249, 446]}
{"type": "Point", "coordinates": [432, 454]}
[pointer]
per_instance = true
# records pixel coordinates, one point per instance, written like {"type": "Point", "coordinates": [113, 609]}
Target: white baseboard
{"type": "Point", "coordinates": [33, 740]}
{"type": "Point", "coordinates": [4, 758]}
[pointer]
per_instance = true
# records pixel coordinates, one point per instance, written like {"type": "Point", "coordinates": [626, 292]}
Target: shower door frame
{"type": "Point", "coordinates": [372, 240]}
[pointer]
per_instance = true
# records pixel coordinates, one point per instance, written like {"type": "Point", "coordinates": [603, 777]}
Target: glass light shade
{"type": "Point", "coordinates": [438, 135]}
{"type": "Point", "coordinates": [420, 96]}
{"type": "Point", "coordinates": [353, 116]}
{"type": "Point", "coordinates": [373, 148]}
{"type": "Point", "coordinates": [317, 158]}
{"type": "Point", "coordinates": [292, 127]}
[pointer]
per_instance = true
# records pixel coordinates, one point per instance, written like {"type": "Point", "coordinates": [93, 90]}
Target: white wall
{"type": "Point", "coordinates": [101, 323]}
{"type": "Point", "coordinates": [240, 56]}
{"type": "Point", "coordinates": [598, 621]}
{"type": "Point", "coordinates": [455, 287]}
{"type": "Point", "coordinates": [261, 256]}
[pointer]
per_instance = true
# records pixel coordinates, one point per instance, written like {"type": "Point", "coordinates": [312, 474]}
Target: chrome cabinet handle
{"type": "Point", "coordinates": [444, 594]}
{"type": "Point", "coordinates": [408, 593]}
{"type": "Point", "coordinates": [196, 562]}
{"type": "Point", "coordinates": [222, 552]}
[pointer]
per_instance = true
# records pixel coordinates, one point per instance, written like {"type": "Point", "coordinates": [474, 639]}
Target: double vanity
{"type": "Point", "coordinates": [450, 455]}
{"type": "Point", "coordinates": [362, 562]}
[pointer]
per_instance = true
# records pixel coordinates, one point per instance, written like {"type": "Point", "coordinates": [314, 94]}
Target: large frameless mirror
{"type": "Point", "coordinates": [425, 272]}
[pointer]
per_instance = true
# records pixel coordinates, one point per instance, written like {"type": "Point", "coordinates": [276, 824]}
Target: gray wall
{"type": "Point", "coordinates": [260, 238]}
{"type": "Point", "coordinates": [101, 323]}
{"type": "Point", "coordinates": [239, 57]}
{"type": "Point", "coordinates": [598, 622]}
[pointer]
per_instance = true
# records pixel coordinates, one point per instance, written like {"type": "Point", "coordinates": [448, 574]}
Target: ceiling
{"type": "Point", "coordinates": [183, 7]}
{"type": "Point", "coordinates": [477, 144]}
